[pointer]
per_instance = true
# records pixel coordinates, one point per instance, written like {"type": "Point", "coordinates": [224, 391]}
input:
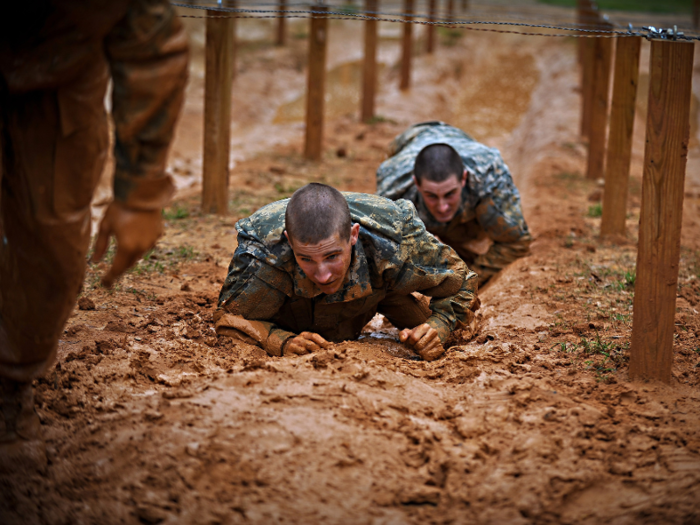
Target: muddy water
{"type": "Point", "coordinates": [343, 85]}
{"type": "Point", "coordinates": [495, 99]}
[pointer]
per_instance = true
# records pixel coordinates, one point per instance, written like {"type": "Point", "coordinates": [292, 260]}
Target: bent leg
{"type": "Point", "coordinates": [53, 149]}
{"type": "Point", "coordinates": [405, 311]}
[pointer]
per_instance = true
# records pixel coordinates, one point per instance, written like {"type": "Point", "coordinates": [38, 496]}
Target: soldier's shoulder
{"type": "Point", "coordinates": [262, 235]}
{"type": "Point", "coordinates": [379, 214]}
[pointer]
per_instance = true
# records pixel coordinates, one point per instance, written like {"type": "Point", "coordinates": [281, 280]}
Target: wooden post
{"type": "Point", "coordinates": [430, 28]}
{"type": "Point", "coordinates": [450, 9]}
{"type": "Point", "coordinates": [583, 8]}
{"type": "Point", "coordinates": [407, 45]}
{"type": "Point", "coordinates": [619, 152]}
{"type": "Point", "coordinates": [219, 66]}
{"type": "Point", "coordinates": [315, 90]}
{"type": "Point", "coordinates": [665, 156]}
{"type": "Point", "coordinates": [696, 14]}
{"type": "Point", "coordinates": [465, 5]}
{"type": "Point", "coordinates": [599, 107]}
{"type": "Point", "coordinates": [588, 19]}
{"type": "Point", "coordinates": [281, 24]}
{"type": "Point", "coordinates": [587, 60]}
{"type": "Point", "coordinates": [369, 72]}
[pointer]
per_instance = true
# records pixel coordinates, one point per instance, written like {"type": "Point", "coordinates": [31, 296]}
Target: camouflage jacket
{"type": "Point", "coordinates": [490, 201]}
{"type": "Point", "coordinates": [45, 46]}
{"type": "Point", "coordinates": [394, 254]}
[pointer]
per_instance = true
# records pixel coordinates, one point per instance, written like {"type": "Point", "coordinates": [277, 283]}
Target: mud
{"type": "Point", "coordinates": [149, 417]}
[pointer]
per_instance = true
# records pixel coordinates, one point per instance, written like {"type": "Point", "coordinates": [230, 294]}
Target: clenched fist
{"type": "Point", "coordinates": [425, 341]}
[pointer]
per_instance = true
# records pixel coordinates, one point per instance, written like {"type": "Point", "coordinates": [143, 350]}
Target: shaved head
{"type": "Point", "coordinates": [437, 163]}
{"type": "Point", "coordinates": [317, 212]}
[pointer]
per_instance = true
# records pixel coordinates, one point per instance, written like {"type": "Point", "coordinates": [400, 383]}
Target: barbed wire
{"type": "Point", "coordinates": [411, 18]}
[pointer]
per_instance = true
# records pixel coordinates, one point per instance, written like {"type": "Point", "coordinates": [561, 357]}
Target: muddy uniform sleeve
{"type": "Point", "coordinates": [434, 269]}
{"type": "Point", "coordinates": [251, 295]}
{"type": "Point", "coordinates": [501, 217]}
{"type": "Point", "coordinates": [148, 57]}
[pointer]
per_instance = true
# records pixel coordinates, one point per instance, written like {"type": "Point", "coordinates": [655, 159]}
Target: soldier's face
{"type": "Point", "coordinates": [442, 198]}
{"type": "Point", "coordinates": [326, 263]}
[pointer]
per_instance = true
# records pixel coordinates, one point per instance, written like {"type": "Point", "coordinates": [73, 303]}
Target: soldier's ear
{"type": "Point", "coordinates": [415, 180]}
{"type": "Point", "coordinates": [287, 236]}
{"type": "Point", "coordinates": [465, 174]}
{"type": "Point", "coordinates": [354, 233]}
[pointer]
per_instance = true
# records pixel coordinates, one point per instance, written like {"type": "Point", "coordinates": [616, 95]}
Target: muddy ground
{"type": "Point", "coordinates": [149, 417]}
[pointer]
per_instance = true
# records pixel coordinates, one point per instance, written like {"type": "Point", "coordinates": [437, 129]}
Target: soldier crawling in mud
{"type": "Point", "coordinates": [462, 191]}
{"type": "Point", "coordinates": [317, 267]}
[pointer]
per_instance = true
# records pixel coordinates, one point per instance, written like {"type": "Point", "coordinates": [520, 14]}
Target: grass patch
{"type": "Point", "coordinates": [596, 210]}
{"type": "Point", "coordinates": [175, 213]}
{"type": "Point", "coordinates": [449, 36]}
{"type": "Point", "coordinates": [376, 119]}
{"type": "Point", "coordinates": [602, 357]}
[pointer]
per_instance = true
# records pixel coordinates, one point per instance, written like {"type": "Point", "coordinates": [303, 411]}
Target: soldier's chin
{"type": "Point", "coordinates": [331, 287]}
{"type": "Point", "coordinates": [445, 218]}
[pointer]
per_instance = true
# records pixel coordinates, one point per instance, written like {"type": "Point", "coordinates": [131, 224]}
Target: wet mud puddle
{"type": "Point", "coordinates": [342, 95]}
{"type": "Point", "coordinates": [382, 334]}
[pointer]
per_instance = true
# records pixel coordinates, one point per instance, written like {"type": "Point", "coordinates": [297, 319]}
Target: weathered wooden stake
{"type": "Point", "coordinates": [369, 72]}
{"type": "Point", "coordinates": [450, 9]}
{"type": "Point", "coordinates": [619, 151]}
{"type": "Point", "coordinates": [219, 72]}
{"type": "Point", "coordinates": [696, 14]}
{"type": "Point", "coordinates": [465, 5]}
{"type": "Point", "coordinates": [432, 11]}
{"type": "Point", "coordinates": [599, 107]}
{"type": "Point", "coordinates": [281, 24]}
{"type": "Point", "coordinates": [587, 46]}
{"type": "Point", "coordinates": [588, 18]}
{"type": "Point", "coordinates": [585, 16]}
{"type": "Point", "coordinates": [665, 156]}
{"type": "Point", "coordinates": [407, 46]}
{"type": "Point", "coordinates": [316, 82]}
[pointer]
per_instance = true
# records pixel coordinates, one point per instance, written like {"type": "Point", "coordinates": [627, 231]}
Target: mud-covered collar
{"type": "Point", "coordinates": [355, 286]}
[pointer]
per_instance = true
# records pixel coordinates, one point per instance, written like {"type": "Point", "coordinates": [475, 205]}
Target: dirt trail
{"type": "Point", "coordinates": [149, 417]}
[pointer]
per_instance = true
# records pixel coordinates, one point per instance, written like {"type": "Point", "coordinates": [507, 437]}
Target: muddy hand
{"type": "Point", "coordinates": [136, 232]}
{"type": "Point", "coordinates": [305, 343]}
{"type": "Point", "coordinates": [425, 340]}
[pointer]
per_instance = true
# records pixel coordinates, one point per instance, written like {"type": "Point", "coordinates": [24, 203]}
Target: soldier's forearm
{"type": "Point", "coordinates": [266, 335]}
{"type": "Point", "coordinates": [149, 71]}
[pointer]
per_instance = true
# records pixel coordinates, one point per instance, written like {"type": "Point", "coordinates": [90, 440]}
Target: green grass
{"type": "Point", "coordinates": [159, 260]}
{"type": "Point", "coordinates": [600, 356]}
{"type": "Point", "coordinates": [175, 213]}
{"type": "Point", "coordinates": [449, 36]}
{"type": "Point", "coordinates": [376, 119]}
{"type": "Point", "coordinates": [595, 211]}
{"type": "Point", "coordinates": [645, 6]}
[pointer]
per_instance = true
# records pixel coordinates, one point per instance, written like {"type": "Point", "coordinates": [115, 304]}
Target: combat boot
{"type": "Point", "coordinates": [21, 419]}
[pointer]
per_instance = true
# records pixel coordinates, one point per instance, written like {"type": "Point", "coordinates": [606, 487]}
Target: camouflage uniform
{"type": "Point", "coordinates": [490, 201]}
{"type": "Point", "coordinates": [267, 298]}
{"type": "Point", "coordinates": [56, 58]}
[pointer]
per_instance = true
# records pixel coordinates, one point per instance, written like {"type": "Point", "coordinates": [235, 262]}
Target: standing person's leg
{"type": "Point", "coordinates": [54, 145]}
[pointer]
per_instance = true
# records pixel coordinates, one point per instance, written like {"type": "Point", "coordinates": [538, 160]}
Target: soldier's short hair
{"type": "Point", "coordinates": [438, 162]}
{"type": "Point", "coordinates": [316, 212]}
